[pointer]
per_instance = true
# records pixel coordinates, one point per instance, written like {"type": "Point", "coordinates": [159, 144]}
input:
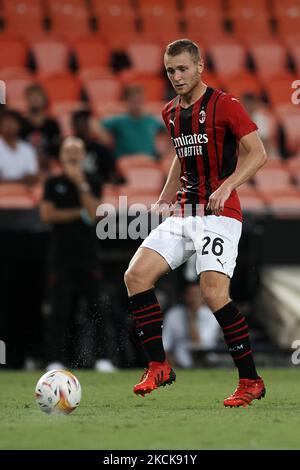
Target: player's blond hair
{"type": "Point", "coordinates": [184, 45]}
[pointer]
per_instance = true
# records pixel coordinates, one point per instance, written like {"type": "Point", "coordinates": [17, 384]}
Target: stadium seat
{"type": "Point", "coordinates": [284, 206]}
{"type": "Point", "coordinates": [114, 18]}
{"type": "Point", "coordinates": [16, 196]}
{"type": "Point", "coordinates": [69, 18]}
{"type": "Point", "coordinates": [242, 83]}
{"type": "Point", "coordinates": [252, 204]}
{"type": "Point", "coordinates": [63, 111]}
{"type": "Point", "coordinates": [51, 56]}
{"type": "Point", "coordinates": [15, 92]}
{"type": "Point", "coordinates": [279, 90]}
{"type": "Point", "coordinates": [247, 21]}
{"type": "Point", "coordinates": [91, 53]}
{"type": "Point", "coordinates": [155, 16]}
{"type": "Point", "coordinates": [287, 14]}
{"type": "Point", "coordinates": [228, 58]}
{"type": "Point", "coordinates": [146, 57]}
{"type": "Point", "coordinates": [95, 72]}
{"type": "Point", "coordinates": [112, 108]}
{"type": "Point", "coordinates": [14, 52]}
{"type": "Point", "coordinates": [102, 90]}
{"type": "Point", "coordinates": [21, 16]}
{"type": "Point", "coordinates": [248, 190]}
{"type": "Point", "coordinates": [270, 58]}
{"type": "Point", "coordinates": [61, 87]}
{"type": "Point", "coordinates": [140, 172]}
{"type": "Point", "coordinates": [293, 165]}
{"type": "Point", "coordinates": [291, 126]}
{"type": "Point", "coordinates": [294, 51]}
{"type": "Point", "coordinates": [273, 180]}
{"type": "Point", "coordinates": [14, 72]}
{"type": "Point", "coordinates": [204, 18]}
{"type": "Point", "coordinates": [154, 87]}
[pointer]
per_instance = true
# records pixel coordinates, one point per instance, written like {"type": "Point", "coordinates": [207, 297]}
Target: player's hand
{"type": "Point", "coordinates": [162, 207]}
{"type": "Point", "coordinates": [218, 198]}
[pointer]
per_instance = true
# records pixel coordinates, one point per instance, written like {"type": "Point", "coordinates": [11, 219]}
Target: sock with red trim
{"type": "Point", "coordinates": [236, 335]}
{"type": "Point", "coordinates": [148, 322]}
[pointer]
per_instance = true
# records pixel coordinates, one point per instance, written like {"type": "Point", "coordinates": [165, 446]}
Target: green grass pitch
{"type": "Point", "coordinates": [186, 415]}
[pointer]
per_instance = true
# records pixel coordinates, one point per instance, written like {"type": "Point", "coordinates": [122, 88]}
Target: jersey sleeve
{"type": "Point", "coordinates": [236, 117]}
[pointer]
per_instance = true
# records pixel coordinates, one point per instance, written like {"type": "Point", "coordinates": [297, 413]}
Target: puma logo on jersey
{"type": "Point", "coordinates": [222, 264]}
{"type": "Point", "coordinates": [172, 121]}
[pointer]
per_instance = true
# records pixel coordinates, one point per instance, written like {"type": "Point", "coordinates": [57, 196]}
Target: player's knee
{"type": "Point", "coordinates": [132, 278]}
{"type": "Point", "coordinates": [212, 296]}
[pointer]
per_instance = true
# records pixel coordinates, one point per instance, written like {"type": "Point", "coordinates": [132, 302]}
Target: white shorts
{"type": "Point", "coordinates": [214, 240]}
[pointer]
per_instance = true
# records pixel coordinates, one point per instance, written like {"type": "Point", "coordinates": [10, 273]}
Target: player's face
{"type": "Point", "coordinates": [183, 72]}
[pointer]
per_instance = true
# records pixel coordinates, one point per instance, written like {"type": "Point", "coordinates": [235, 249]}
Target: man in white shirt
{"type": "Point", "coordinates": [18, 159]}
{"type": "Point", "coordinates": [190, 324]}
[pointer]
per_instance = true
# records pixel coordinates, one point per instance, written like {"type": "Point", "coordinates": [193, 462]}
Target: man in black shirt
{"type": "Point", "coordinates": [38, 128]}
{"type": "Point", "coordinates": [99, 160]}
{"type": "Point", "coordinates": [69, 204]}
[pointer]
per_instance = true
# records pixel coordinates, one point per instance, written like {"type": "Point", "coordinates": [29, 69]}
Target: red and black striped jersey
{"type": "Point", "coordinates": [206, 137]}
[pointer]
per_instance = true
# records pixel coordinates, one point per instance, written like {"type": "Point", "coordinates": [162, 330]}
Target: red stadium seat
{"type": "Point", "coordinates": [102, 90]}
{"type": "Point", "coordinates": [242, 83]}
{"type": "Point", "coordinates": [284, 206]}
{"type": "Point", "coordinates": [95, 72]}
{"type": "Point", "coordinates": [114, 18]}
{"type": "Point", "coordinates": [16, 196]}
{"type": "Point", "coordinates": [270, 58]}
{"type": "Point", "coordinates": [62, 87]}
{"type": "Point", "coordinates": [252, 204]}
{"type": "Point", "coordinates": [279, 89]}
{"type": "Point", "coordinates": [91, 53]}
{"type": "Point", "coordinates": [248, 21]}
{"type": "Point", "coordinates": [287, 14]}
{"type": "Point", "coordinates": [211, 79]}
{"type": "Point", "coordinates": [142, 174]}
{"type": "Point", "coordinates": [273, 180]}
{"type": "Point", "coordinates": [146, 57]}
{"type": "Point", "coordinates": [291, 125]}
{"type": "Point", "coordinates": [154, 19]}
{"type": "Point", "coordinates": [69, 18]}
{"type": "Point", "coordinates": [203, 18]}
{"type": "Point", "coordinates": [15, 92]}
{"type": "Point", "coordinates": [51, 56]}
{"type": "Point", "coordinates": [247, 190]}
{"type": "Point", "coordinates": [14, 52]}
{"type": "Point", "coordinates": [113, 108]}
{"type": "Point", "coordinates": [21, 16]}
{"type": "Point", "coordinates": [294, 50]}
{"type": "Point", "coordinates": [228, 58]}
{"type": "Point", "coordinates": [154, 87]}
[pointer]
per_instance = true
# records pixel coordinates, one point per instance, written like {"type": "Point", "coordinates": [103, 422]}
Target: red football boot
{"type": "Point", "coordinates": [158, 374]}
{"type": "Point", "coordinates": [246, 391]}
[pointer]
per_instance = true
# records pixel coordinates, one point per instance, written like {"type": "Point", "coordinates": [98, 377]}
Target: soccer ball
{"type": "Point", "coordinates": [58, 392]}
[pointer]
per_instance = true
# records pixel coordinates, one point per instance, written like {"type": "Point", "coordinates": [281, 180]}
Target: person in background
{"type": "Point", "coordinates": [38, 128]}
{"type": "Point", "coordinates": [135, 131]}
{"type": "Point", "coordinates": [262, 118]}
{"type": "Point", "coordinates": [99, 160]}
{"type": "Point", "coordinates": [18, 159]}
{"type": "Point", "coordinates": [187, 324]}
{"type": "Point", "coordinates": [69, 204]}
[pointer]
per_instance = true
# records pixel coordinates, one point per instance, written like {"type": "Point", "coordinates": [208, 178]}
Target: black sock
{"type": "Point", "coordinates": [236, 335]}
{"type": "Point", "coordinates": [147, 317]}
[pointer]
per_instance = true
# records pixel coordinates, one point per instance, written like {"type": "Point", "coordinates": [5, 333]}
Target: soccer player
{"type": "Point", "coordinates": [209, 128]}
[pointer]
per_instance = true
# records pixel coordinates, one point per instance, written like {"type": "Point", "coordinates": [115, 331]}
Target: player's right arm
{"type": "Point", "coordinates": [168, 195]}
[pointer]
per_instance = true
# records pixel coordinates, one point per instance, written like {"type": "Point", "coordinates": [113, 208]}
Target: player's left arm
{"type": "Point", "coordinates": [252, 157]}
